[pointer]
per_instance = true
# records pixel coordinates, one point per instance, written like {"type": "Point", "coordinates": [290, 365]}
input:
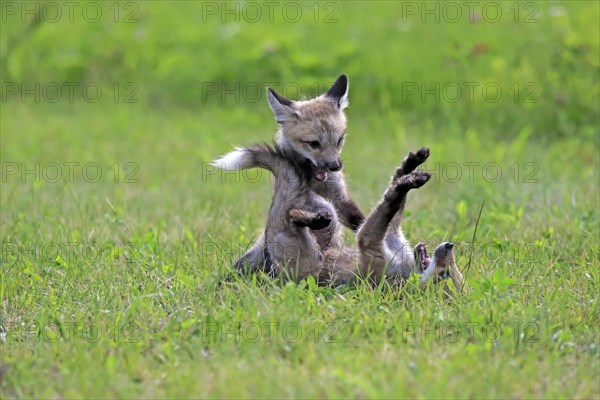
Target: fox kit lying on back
{"type": "Point", "coordinates": [311, 135]}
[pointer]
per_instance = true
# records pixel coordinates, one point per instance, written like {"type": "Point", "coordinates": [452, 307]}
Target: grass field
{"type": "Point", "coordinates": [117, 233]}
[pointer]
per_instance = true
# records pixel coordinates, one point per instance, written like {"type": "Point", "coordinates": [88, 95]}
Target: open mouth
{"type": "Point", "coordinates": [422, 256]}
{"type": "Point", "coordinates": [320, 174]}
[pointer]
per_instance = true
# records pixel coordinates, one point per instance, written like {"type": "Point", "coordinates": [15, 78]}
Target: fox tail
{"type": "Point", "coordinates": [255, 156]}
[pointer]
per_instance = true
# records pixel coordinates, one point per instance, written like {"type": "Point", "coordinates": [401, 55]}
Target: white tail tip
{"type": "Point", "coordinates": [231, 161]}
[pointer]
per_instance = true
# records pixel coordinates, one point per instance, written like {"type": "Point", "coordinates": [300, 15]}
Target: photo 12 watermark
{"type": "Point", "coordinates": [452, 12]}
{"type": "Point", "coordinates": [252, 12]}
{"type": "Point", "coordinates": [53, 12]}
{"type": "Point", "coordinates": [78, 254]}
{"type": "Point", "coordinates": [68, 172]}
{"type": "Point", "coordinates": [476, 171]}
{"type": "Point", "coordinates": [266, 331]}
{"type": "Point", "coordinates": [255, 92]}
{"type": "Point", "coordinates": [69, 92]}
{"type": "Point", "coordinates": [71, 332]}
{"type": "Point", "coordinates": [469, 92]}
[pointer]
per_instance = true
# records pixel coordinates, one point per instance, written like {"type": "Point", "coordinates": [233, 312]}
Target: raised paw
{"type": "Point", "coordinates": [399, 187]}
{"type": "Point", "coordinates": [414, 180]}
{"type": "Point", "coordinates": [412, 161]}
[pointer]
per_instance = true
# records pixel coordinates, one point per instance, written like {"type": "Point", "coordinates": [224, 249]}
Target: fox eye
{"type": "Point", "coordinates": [340, 141]}
{"type": "Point", "coordinates": [314, 144]}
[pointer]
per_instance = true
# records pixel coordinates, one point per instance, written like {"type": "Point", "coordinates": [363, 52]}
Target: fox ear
{"type": "Point", "coordinates": [339, 91]}
{"type": "Point", "coordinates": [282, 107]}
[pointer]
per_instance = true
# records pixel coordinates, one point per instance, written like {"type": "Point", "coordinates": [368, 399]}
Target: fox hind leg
{"type": "Point", "coordinates": [254, 259]}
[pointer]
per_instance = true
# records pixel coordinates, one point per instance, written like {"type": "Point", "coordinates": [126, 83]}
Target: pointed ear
{"type": "Point", "coordinates": [282, 107]}
{"type": "Point", "coordinates": [339, 91]}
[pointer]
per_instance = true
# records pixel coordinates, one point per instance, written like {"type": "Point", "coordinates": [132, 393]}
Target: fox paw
{"type": "Point", "coordinates": [322, 221]}
{"type": "Point", "coordinates": [414, 180]}
{"type": "Point", "coordinates": [399, 187]}
{"type": "Point", "coordinates": [412, 161]}
{"type": "Point", "coordinates": [312, 219]}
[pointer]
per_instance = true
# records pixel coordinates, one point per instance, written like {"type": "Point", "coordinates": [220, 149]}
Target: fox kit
{"type": "Point", "coordinates": [438, 268]}
{"type": "Point", "coordinates": [300, 222]}
{"type": "Point", "coordinates": [302, 235]}
{"type": "Point", "coordinates": [311, 135]}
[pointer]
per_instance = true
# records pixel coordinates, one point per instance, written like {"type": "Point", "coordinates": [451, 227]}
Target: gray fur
{"type": "Point", "coordinates": [300, 122]}
{"type": "Point", "coordinates": [302, 234]}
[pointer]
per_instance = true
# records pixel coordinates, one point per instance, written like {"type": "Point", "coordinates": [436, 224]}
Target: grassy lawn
{"type": "Point", "coordinates": [117, 234]}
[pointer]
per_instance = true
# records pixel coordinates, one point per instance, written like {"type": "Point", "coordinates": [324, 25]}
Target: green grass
{"type": "Point", "coordinates": [114, 288]}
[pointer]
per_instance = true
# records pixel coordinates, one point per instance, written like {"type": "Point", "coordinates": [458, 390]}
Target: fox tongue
{"type": "Point", "coordinates": [321, 175]}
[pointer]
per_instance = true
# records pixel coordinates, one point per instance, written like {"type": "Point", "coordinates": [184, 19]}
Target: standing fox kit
{"type": "Point", "coordinates": [311, 135]}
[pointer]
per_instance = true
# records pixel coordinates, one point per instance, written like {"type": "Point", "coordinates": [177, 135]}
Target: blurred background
{"type": "Point", "coordinates": [197, 55]}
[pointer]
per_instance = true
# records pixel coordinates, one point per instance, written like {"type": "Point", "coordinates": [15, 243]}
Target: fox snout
{"type": "Point", "coordinates": [329, 166]}
{"type": "Point", "coordinates": [333, 166]}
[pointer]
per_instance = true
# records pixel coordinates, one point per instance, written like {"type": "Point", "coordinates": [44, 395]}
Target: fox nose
{"type": "Point", "coordinates": [334, 166]}
{"type": "Point", "coordinates": [449, 245]}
